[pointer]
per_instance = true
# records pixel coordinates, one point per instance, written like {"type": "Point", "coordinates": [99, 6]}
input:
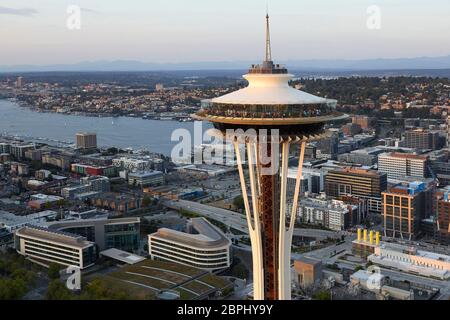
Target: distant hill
{"type": "Point", "coordinates": [310, 65]}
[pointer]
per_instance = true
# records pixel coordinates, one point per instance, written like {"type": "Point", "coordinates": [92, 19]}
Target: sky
{"type": "Point", "coordinates": [173, 31]}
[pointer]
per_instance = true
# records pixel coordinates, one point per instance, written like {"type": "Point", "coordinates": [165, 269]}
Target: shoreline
{"type": "Point", "coordinates": [18, 122]}
{"type": "Point", "coordinates": [175, 117]}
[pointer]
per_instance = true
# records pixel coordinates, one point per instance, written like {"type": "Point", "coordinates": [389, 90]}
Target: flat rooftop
{"type": "Point", "coordinates": [10, 219]}
{"type": "Point", "coordinates": [208, 236]}
{"type": "Point", "coordinates": [404, 156]}
{"type": "Point", "coordinates": [88, 222]}
{"type": "Point", "coordinates": [359, 171]}
{"type": "Point", "coordinates": [63, 238]}
{"type": "Point", "coordinates": [414, 251]}
{"type": "Point", "coordinates": [122, 256]}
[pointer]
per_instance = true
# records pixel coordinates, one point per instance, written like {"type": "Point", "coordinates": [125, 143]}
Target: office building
{"type": "Point", "coordinates": [367, 157]}
{"type": "Point", "coordinates": [443, 218]}
{"type": "Point", "coordinates": [401, 165]}
{"type": "Point", "coordinates": [313, 180]}
{"type": "Point", "coordinates": [122, 234]}
{"type": "Point", "coordinates": [423, 139]}
{"type": "Point", "coordinates": [208, 248]}
{"type": "Point", "coordinates": [360, 183]}
{"type": "Point", "coordinates": [405, 206]}
{"type": "Point", "coordinates": [356, 182]}
{"type": "Point", "coordinates": [92, 185]}
{"type": "Point", "coordinates": [86, 140]}
{"type": "Point", "coordinates": [18, 150]}
{"type": "Point", "coordinates": [5, 148]}
{"type": "Point", "coordinates": [48, 247]}
{"type": "Point", "coordinates": [146, 178]}
{"type": "Point", "coordinates": [96, 183]}
{"type": "Point", "coordinates": [351, 129]}
{"type": "Point", "coordinates": [19, 82]}
{"type": "Point", "coordinates": [441, 169]}
{"type": "Point", "coordinates": [362, 121]}
{"type": "Point", "coordinates": [33, 155]}
{"type": "Point", "coordinates": [328, 148]}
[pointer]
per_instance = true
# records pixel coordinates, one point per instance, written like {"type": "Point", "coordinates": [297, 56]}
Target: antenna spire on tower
{"type": "Point", "coordinates": [268, 46]}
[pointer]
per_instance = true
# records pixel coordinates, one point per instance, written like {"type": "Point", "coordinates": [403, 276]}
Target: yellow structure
{"type": "Point", "coordinates": [365, 235]}
{"type": "Point", "coordinates": [359, 234]}
{"type": "Point", "coordinates": [371, 237]}
{"type": "Point", "coordinates": [377, 237]}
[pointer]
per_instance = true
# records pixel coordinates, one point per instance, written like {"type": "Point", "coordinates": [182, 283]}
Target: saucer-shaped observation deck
{"type": "Point", "coordinates": [269, 102]}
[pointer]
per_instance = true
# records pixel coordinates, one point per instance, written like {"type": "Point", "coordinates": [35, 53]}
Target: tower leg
{"type": "Point", "coordinates": [287, 231]}
{"type": "Point", "coordinates": [254, 223]}
{"type": "Point", "coordinates": [270, 235]}
{"type": "Point", "coordinates": [268, 207]}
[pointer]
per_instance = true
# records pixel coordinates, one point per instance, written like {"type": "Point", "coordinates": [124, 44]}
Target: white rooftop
{"type": "Point", "coordinates": [122, 256]}
{"type": "Point", "coordinates": [270, 89]}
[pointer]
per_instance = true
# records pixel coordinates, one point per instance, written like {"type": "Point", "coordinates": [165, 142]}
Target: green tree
{"type": "Point", "coordinates": [146, 201]}
{"type": "Point", "coordinates": [57, 291]}
{"type": "Point", "coordinates": [53, 271]}
{"type": "Point", "coordinates": [359, 268]}
{"type": "Point", "coordinates": [240, 271]}
{"type": "Point", "coordinates": [238, 202]}
{"type": "Point", "coordinates": [322, 295]}
{"type": "Point", "coordinates": [98, 290]}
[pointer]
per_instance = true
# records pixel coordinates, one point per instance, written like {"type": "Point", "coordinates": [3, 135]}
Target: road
{"type": "Point", "coordinates": [238, 221]}
{"type": "Point", "coordinates": [330, 255]}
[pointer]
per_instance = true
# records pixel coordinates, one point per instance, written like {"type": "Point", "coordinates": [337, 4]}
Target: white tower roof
{"type": "Point", "coordinates": [269, 89]}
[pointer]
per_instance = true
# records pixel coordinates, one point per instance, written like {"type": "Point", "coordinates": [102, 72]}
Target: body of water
{"type": "Point", "coordinates": [122, 132]}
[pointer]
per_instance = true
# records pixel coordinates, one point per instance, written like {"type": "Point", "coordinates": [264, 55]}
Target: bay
{"type": "Point", "coordinates": [121, 132]}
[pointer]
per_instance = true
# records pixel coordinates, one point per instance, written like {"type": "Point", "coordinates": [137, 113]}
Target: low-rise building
{"type": "Point", "coordinates": [11, 222]}
{"type": "Point", "coordinates": [91, 170]}
{"type": "Point", "coordinates": [57, 160]}
{"type": "Point", "coordinates": [207, 249]}
{"type": "Point", "coordinates": [122, 234]}
{"type": "Point", "coordinates": [18, 150]}
{"type": "Point", "coordinates": [41, 201]}
{"type": "Point", "coordinates": [42, 174]}
{"type": "Point", "coordinates": [46, 246]}
{"type": "Point", "coordinates": [120, 204]}
{"type": "Point", "coordinates": [308, 272]}
{"type": "Point", "coordinates": [146, 178]}
{"type": "Point", "coordinates": [333, 214]}
{"type": "Point", "coordinates": [19, 169]}
{"type": "Point", "coordinates": [411, 260]}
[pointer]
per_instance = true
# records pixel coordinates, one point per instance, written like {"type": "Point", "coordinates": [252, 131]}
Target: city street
{"type": "Point", "coordinates": [238, 221]}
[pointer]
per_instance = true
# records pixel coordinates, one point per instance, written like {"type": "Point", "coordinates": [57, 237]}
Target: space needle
{"type": "Point", "coordinates": [292, 118]}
